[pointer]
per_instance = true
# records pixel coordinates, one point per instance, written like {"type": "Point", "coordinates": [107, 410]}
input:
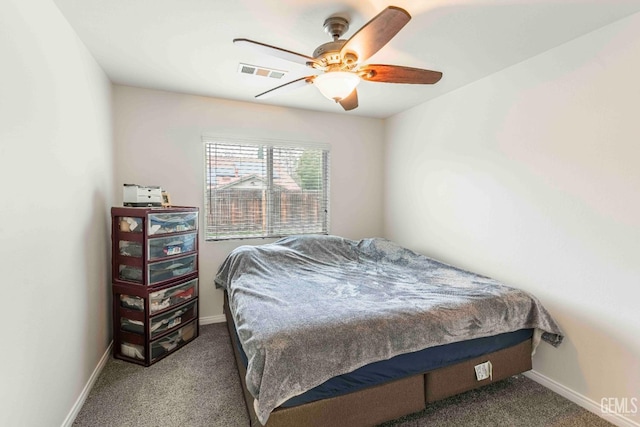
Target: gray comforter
{"type": "Point", "coordinates": [309, 308]}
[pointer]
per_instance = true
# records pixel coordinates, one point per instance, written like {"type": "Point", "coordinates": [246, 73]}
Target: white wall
{"type": "Point", "coordinates": [158, 142]}
{"type": "Point", "coordinates": [532, 176]}
{"type": "Point", "coordinates": [56, 177]}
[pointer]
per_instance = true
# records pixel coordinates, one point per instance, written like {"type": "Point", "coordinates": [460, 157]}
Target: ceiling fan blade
{"type": "Point", "coordinates": [398, 74]}
{"type": "Point", "coordinates": [376, 33]}
{"type": "Point", "coordinates": [351, 101]}
{"type": "Point", "coordinates": [294, 84]}
{"type": "Point", "coordinates": [276, 51]}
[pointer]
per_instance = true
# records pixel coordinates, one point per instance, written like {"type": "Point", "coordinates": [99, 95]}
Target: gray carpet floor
{"type": "Point", "coordinates": [198, 386]}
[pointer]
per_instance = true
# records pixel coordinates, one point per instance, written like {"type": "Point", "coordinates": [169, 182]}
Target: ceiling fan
{"type": "Point", "coordinates": [340, 62]}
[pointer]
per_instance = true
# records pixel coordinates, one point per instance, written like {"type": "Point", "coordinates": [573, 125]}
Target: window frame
{"type": "Point", "coordinates": [268, 146]}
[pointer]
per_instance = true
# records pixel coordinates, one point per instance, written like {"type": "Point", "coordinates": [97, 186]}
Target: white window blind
{"type": "Point", "coordinates": [257, 189]}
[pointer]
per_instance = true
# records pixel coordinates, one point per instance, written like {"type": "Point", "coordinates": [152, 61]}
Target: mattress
{"type": "Point", "coordinates": [403, 365]}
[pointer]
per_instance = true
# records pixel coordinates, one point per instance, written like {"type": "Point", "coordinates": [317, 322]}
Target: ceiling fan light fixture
{"type": "Point", "coordinates": [336, 85]}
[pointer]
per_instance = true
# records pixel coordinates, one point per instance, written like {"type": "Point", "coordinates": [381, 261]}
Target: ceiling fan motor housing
{"type": "Point", "coordinates": [329, 52]}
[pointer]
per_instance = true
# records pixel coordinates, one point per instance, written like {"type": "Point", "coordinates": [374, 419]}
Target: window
{"type": "Point", "coordinates": [265, 189]}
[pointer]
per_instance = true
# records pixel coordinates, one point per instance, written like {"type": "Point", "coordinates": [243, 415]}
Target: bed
{"type": "Point", "coordinates": [329, 331]}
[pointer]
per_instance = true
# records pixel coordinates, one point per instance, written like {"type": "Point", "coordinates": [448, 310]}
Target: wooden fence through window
{"type": "Point", "coordinates": [240, 212]}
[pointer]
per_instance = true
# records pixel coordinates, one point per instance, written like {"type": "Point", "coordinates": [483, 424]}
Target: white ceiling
{"type": "Point", "coordinates": [186, 45]}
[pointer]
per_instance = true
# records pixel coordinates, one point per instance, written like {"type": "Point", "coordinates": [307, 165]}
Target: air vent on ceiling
{"type": "Point", "coordinates": [260, 71]}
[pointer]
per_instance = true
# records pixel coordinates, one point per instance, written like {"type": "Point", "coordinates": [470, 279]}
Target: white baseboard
{"type": "Point", "coordinates": [87, 388]}
{"type": "Point", "coordinates": [220, 318]}
{"type": "Point", "coordinates": [580, 400]}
